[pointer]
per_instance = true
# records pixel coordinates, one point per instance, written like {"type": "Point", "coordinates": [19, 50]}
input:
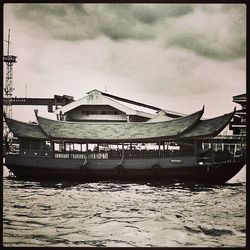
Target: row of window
{"type": "Point", "coordinates": [67, 146]}
{"type": "Point", "coordinates": [102, 112]}
{"type": "Point", "coordinates": [45, 146]}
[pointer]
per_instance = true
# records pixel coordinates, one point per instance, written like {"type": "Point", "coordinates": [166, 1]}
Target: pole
{"type": "Point", "coordinates": [26, 90]}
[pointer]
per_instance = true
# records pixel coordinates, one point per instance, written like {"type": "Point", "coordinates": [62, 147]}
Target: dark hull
{"type": "Point", "coordinates": [146, 170]}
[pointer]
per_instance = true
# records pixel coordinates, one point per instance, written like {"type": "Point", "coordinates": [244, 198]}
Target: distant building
{"type": "Point", "coordinates": [238, 124]}
{"type": "Point", "coordinates": [101, 106]}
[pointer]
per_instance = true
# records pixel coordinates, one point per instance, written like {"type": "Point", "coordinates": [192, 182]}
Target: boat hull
{"type": "Point", "coordinates": [183, 170]}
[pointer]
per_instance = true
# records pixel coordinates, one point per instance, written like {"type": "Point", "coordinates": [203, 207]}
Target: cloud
{"type": "Point", "coordinates": [87, 21]}
{"type": "Point", "coordinates": [209, 30]}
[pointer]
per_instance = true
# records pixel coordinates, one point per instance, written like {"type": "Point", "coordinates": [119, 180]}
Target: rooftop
{"type": "Point", "coordinates": [190, 126]}
{"type": "Point", "coordinates": [96, 97]}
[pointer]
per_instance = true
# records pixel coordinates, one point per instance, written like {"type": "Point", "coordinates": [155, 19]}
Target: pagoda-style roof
{"type": "Point", "coordinates": [190, 126]}
{"type": "Point", "coordinates": [115, 132]}
{"type": "Point", "coordinates": [209, 127]}
{"type": "Point", "coordinates": [25, 130]}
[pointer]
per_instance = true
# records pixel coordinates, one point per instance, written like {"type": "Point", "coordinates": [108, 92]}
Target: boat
{"type": "Point", "coordinates": [177, 150]}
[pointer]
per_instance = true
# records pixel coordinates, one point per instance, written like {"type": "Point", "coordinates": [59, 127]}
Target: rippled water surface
{"type": "Point", "coordinates": [114, 214]}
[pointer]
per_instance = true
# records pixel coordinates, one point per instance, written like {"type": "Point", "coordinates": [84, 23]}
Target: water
{"type": "Point", "coordinates": [114, 214]}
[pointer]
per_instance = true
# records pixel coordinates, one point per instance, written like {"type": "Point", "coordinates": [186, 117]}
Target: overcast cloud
{"type": "Point", "coordinates": [214, 31]}
{"type": "Point", "coordinates": [174, 56]}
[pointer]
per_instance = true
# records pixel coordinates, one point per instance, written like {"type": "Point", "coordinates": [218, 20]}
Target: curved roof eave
{"type": "Point", "coordinates": [210, 127]}
{"type": "Point", "coordinates": [118, 131]}
{"type": "Point", "coordinates": [25, 130]}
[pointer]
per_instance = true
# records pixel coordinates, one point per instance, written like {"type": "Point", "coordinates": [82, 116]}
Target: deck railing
{"type": "Point", "coordinates": [204, 153]}
{"type": "Point", "coordinates": [113, 154]}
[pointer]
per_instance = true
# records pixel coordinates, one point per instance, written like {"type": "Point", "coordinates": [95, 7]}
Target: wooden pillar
{"type": "Point", "coordinates": [159, 148]}
{"type": "Point", "coordinates": [212, 151]}
{"type": "Point", "coordinates": [69, 149]}
{"type": "Point", "coordinates": [53, 149]}
{"type": "Point", "coordinates": [123, 150]}
{"type": "Point", "coordinates": [87, 149]}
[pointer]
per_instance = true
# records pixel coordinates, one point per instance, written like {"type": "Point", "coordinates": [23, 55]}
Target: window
{"type": "Point", "coordinates": [83, 147]}
{"type": "Point", "coordinates": [56, 146]}
{"type": "Point", "coordinates": [68, 146]}
{"type": "Point", "coordinates": [77, 147]}
{"type": "Point", "coordinates": [93, 147]}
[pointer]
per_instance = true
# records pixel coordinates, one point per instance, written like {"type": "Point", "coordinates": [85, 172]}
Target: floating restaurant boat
{"type": "Point", "coordinates": [171, 150]}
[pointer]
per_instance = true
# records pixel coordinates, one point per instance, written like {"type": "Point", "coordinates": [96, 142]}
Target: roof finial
{"type": "Point", "coordinates": [36, 112]}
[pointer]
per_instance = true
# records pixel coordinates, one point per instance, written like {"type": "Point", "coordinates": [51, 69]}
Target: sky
{"type": "Point", "coordinates": [177, 57]}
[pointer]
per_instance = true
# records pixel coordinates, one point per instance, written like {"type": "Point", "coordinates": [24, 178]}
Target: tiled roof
{"type": "Point", "coordinates": [185, 127]}
{"type": "Point", "coordinates": [25, 130]}
{"type": "Point", "coordinates": [118, 131]}
{"type": "Point", "coordinates": [209, 127]}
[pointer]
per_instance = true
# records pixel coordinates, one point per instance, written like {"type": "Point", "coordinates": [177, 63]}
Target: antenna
{"type": "Point", "coordinates": [8, 41]}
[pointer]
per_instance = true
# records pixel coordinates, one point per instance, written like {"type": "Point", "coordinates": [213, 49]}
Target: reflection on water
{"type": "Point", "coordinates": [116, 214]}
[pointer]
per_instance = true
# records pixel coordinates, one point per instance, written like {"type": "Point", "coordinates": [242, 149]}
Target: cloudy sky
{"type": "Point", "coordinates": [174, 56]}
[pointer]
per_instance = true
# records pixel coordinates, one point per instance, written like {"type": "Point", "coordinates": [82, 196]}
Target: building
{"type": "Point", "coordinates": [235, 142]}
{"type": "Point", "coordinates": [238, 124]}
{"type": "Point", "coordinates": [100, 106]}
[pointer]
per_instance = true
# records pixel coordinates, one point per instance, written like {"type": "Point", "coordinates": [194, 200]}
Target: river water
{"type": "Point", "coordinates": [113, 214]}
